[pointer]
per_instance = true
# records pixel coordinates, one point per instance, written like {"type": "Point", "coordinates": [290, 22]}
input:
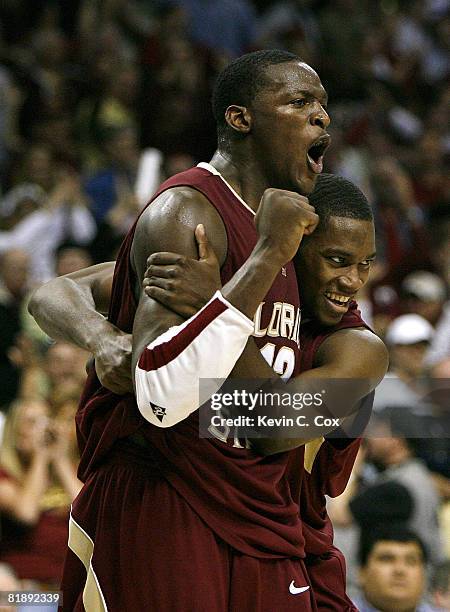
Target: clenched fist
{"type": "Point", "coordinates": [283, 218]}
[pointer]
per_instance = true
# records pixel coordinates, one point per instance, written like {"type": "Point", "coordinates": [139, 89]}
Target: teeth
{"type": "Point", "coordinates": [337, 298]}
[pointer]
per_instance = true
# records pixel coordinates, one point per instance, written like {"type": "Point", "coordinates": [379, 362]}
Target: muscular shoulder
{"type": "Point", "coordinates": [169, 222]}
{"type": "Point", "coordinates": [354, 353]}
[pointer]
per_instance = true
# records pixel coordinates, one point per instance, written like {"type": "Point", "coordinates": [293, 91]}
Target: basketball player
{"type": "Point", "coordinates": [334, 260]}
{"type": "Point", "coordinates": [241, 527]}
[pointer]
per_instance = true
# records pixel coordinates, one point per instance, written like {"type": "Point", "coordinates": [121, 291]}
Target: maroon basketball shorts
{"type": "Point", "coordinates": [327, 575]}
{"type": "Point", "coordinates": [136, 545]}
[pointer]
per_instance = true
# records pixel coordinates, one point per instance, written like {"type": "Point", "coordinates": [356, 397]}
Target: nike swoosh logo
{"type": "Point", "coordinates": [297, 590]}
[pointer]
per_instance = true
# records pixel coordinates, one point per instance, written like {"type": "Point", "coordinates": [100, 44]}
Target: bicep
{"type": "Point", "coordinates": [351, 353]}
{"type": "Point", "coordinates": [350, 364]}
{"type": "Point", "coordinates": [170, 355]}
{"type": "Point", "coordinates": [168, 225]}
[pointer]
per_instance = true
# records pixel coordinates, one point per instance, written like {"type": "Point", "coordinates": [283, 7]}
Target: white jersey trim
{"type": "Point", "coordinates": [82, 545]}
{"type": "Point", "coordinates": [211, 169]}
{"type": "Point", "coordinates": [169, 370]}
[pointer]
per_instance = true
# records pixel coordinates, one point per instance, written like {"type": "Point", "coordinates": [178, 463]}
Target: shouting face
{"type": "Point", "coordinates": [332, 265]}
{"type": "Point", "coordinates": [288, 126]}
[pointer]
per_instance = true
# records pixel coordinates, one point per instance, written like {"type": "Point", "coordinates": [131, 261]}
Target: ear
{"type": "Point", "coordinates": [239, 118]}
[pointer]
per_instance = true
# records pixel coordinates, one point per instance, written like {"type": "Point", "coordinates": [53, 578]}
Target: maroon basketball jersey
{"type": "Point", "coordinates": [326, 463]}
{"type": "Point", "coordinates": [243, 497]}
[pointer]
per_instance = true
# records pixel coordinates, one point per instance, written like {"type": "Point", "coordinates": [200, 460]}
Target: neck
{"type": "Point", "coordinates": [243, 175]}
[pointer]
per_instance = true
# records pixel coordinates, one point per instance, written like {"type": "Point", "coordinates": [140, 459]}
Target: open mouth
{"type": "Point", "coordinates": [339, 302]}
{"type": "Point", "coordinates": [316, 152]}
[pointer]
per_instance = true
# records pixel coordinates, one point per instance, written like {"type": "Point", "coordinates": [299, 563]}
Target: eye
{"type": "Point", "coordinates": [366, 263]}
{"type": "Point", "coordinates": [336, 259]}
{"type": "Point", "coordinates": [300, 102]}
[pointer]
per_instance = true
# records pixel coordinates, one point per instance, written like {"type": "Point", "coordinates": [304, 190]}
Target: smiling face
{"type": "Point", "coordinates": [332, 265]}
{"type": "Point", "coordinates": [394, 576]}
{"type": "Point", "coordinates": [288, 126]}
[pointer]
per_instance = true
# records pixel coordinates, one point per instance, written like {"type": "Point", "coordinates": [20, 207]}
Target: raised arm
{"type": "Point", "coordinates": [169, 356]}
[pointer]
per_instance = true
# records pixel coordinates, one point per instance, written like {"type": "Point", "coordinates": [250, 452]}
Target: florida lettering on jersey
{"type": "Point", "coordinates": [284, 321]}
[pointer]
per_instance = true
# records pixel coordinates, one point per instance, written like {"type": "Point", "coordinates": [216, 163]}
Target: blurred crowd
{"type": "Point", "coordinates": [100, 100]}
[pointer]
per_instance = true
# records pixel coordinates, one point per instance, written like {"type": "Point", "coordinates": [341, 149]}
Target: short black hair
{"type": "Point", "coordinates": [240, 81]}
{"type": "Point", "coordinates": [394, 532]}
{"type": "Point", "coordinates": [335, 196]}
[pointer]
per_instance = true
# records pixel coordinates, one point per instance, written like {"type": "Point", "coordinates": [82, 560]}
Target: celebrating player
{"type": "Point", "coordinates": [203, 523]}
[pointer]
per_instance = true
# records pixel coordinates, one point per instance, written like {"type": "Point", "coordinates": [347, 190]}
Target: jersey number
{"type": "Point", "coordinates": [283, 364]}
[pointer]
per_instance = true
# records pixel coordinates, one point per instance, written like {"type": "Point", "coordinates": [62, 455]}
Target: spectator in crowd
{"type": "Point", "coordinates": [71, 257]}
{"type": "Point", "coordinates": [62, 369]}
{"type": "Point", "coordinates": [226, 27]}
{"type": "Point", "coordinates": [175, 68]}
{"type": "Point", "coordinates": [116, 180]}
{"type": "Point", "coordinates": [424, 294]}
{"type": "Point", "coordinates": [407, 338]}
{"type": "Point", "coordinates": [433, 427]}
{"type": "Point", "coordinates": [392, 571]}
{"type": "Point", "coordinates": [400, 219]}
{"type": "Point", "coordinates": [107, 111]}
{"type": "Point", "coordinates": [394, 456]}
{"type": "Point", "coordinates": [35, 499]}
{"type": "Point", "coordinates": [291, 25]}
{"type": "Point", "coordinates": [389, 484]}
{"type": "Point", "coordinates": [63, 215]}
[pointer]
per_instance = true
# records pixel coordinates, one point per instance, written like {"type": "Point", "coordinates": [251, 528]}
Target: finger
{"type": "Point", "coordinates": [205, 250]}
{"type": "Point", "coordinates": [159, 294]}
{"type": "Point", "coordinates": [314, 223]}
{"type": "Point", "coordinates": [162, 283]}
{"type": "Point", "coordinates": [164, 258]}
{"type": "Point", "coordinates": [161, 272]}
{"type": "Point", "coordinates": [202, 241]}
{"type": "Point", "coordinates": [304, 205]}
{"type": "Point", "coordinates": [167, 299]}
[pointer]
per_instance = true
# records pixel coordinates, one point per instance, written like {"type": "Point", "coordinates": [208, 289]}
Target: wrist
{"type": "Point", "coordinates": [99, 334]}
{"type": "Point", "coordinates": [268, 255]}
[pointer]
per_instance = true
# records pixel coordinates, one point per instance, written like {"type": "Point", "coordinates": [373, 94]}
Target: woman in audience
{"type": "Point", "coordinates": [37, 484]}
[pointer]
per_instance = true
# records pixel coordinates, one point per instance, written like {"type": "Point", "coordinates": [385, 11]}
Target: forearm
{"type": "Point", "coordinates": [67, 475]}
{"type": "Point", "coordinates": [251, 283]}
{"type": "Point", "coordinates": [353, 362]}
{"type": "Point", "coordinates": [27, 507]}
{"type": "Point", "coordinates": [65, 310]}
{"type": "Point", "coordinates": [206, 346]}
{"type": "Point", "coordinates": [316, 408]}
